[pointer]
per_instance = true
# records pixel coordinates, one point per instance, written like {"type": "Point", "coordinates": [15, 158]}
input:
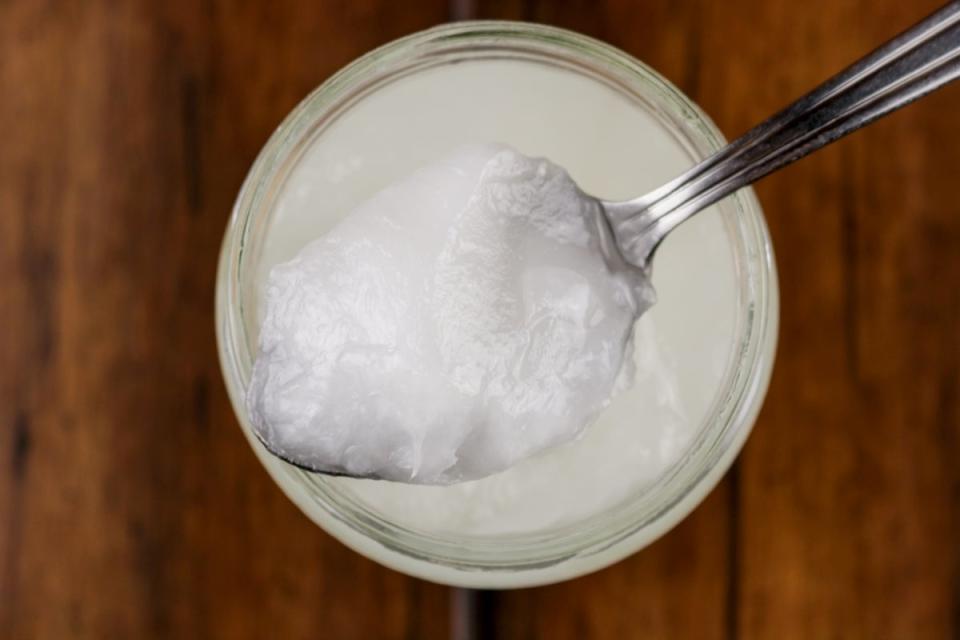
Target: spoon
{"type": "Point", "coordinates": [918, 61]}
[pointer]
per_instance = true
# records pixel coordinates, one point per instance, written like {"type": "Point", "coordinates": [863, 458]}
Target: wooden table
{"type": "Point", "coordinates": [131, 506]}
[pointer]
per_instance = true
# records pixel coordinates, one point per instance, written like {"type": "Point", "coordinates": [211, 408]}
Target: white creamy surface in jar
{"type": "Point", "coordinates": [611, 149]}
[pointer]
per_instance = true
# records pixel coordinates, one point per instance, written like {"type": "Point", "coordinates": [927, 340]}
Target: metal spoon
{"type": "Point", "coordinates": [907, 67]}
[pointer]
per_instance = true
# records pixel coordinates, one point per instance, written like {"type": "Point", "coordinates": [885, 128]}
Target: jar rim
{"type": "Point", "coordinates": [534, 558]}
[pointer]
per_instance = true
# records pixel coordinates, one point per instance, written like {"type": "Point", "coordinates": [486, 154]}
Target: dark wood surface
{"type": "Point", "coordinates": [131, 506]}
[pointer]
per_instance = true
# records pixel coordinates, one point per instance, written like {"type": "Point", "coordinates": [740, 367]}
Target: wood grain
{"type": "Point", "coordinates": [130, 505]}
{"type": "Point", "coordinates": [843, 516]}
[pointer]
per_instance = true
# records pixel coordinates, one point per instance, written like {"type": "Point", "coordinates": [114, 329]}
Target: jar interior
{"type": "Point", "coordinates": [619, 132]}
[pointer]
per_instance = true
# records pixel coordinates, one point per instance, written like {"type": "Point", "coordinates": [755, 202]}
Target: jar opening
{"type": "Point", "coordinates": [538, 557]}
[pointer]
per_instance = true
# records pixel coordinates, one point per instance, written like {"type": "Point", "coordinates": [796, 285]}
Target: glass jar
{"type": "Point", "coordinates": [549, 555]}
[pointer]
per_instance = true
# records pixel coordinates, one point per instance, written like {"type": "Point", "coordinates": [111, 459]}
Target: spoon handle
{"type": "Point", "coordinates": [911, 65]}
